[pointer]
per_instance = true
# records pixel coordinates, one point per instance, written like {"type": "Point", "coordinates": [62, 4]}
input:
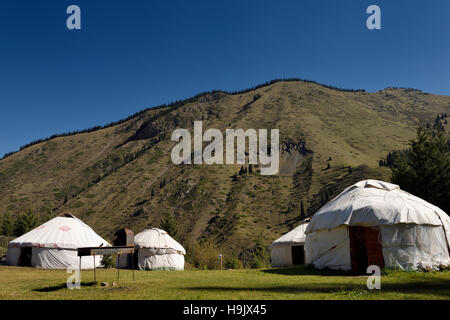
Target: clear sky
{"type": "Point", "coordinates": [134, 54]}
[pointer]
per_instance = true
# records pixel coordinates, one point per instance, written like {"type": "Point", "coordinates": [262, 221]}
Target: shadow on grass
{"type": "Point", "coordinates": [62, 286]}
{"type": "Point", "coordinates": [432, 286]}
{"type": "Point", "coordinates": [309, 271]}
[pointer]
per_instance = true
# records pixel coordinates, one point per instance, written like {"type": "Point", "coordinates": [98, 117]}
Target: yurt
{"type": "Point", "coordinates": [156, 250]}
{"type": "Point", "coordinates": [376, 223]}
{"type": "Point", "coordinates": [288, 250]}
{"type": "Point", "coordinates": [53, 245]}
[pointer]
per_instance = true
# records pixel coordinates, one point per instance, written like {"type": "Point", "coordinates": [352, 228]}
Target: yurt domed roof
{"type": "Point", "coordinates": [295, 236]}
{"type": "Point", "coordinates": [157, 239]}
{"type": "Point", "coordinates": [65, 232]}
{"type": "Point", "coordinates": [374, 203]}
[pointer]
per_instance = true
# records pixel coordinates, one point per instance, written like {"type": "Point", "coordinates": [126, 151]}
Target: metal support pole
{"type": "Point", "coordinates": [80, 270]}
{"type": "Point", "coordinates": [132, 265]}
{"type": "Point", "coordinates": [95, 276]}
{"type": "Point", "coordinates": [118, 266]}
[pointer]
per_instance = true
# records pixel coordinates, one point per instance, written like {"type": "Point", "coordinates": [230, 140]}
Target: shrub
{"type": "Point", "coordinates": [203, 256]}
{"type": "Point", "coordinates": [231, 262]}
{"type": "Point", "coordinates": [256, 257]}
{"type": "Point", "coordinates": [261, 256]}
{"type": "Point", "coordinates": [107, 261]}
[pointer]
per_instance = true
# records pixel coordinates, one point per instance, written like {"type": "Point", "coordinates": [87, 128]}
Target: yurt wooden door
{"type": "Point", "coordinates": [365, 248]}
{"type": "Point", "coordinates": [374, 247]}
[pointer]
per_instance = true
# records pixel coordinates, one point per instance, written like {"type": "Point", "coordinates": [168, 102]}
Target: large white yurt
{"type": "Point", "coordinates": [156, 250]}
{"type": "Point", "coordinates": [288, 250]}
{"type": "Point", "coordinates": [53, 245]}
{"type": "Point", "coordinates": [376, 223]}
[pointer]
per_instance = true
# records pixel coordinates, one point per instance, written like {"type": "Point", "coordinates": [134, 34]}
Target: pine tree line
{"type": "Point", "coordinates": [21, 225]}
{"type": "Point", "coordinates": [424, 169]}
{"type": "Point", "coordinates": [172, 106]}
{"type": "Point", "coordinates": [392, 157]}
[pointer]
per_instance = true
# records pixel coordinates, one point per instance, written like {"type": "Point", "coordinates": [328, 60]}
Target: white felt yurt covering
{"type": "Point", "coordinates": [414, 233]}
{"type": "Point", "coordinates": [281, 249]}
{"type": "Point", "coordinates": [158, 251]}
{"type": "Point", "coordinates": [54, 244]}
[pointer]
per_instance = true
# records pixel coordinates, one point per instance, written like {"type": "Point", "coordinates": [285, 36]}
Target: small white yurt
{"type": "Point", "coordinates": [376, 223]}
{"type": "Point", "coordinates": [288, 250]}
{"type": "Point", "coordinates": [156, 250]}
{"type": "Point", "coordinates": [53, 245]}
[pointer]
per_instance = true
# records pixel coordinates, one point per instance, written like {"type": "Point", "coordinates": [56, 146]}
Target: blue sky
{"type": "Point", "coordinates": [134, 54]}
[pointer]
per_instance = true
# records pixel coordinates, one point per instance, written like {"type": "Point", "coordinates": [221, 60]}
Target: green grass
{"type": "Point", "coordinates": [290, 283]}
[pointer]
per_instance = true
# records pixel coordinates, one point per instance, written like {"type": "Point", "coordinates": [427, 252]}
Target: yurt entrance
{"type": "Point", "coordinates": [365, 248]}
{"type": "Point", "coordinates": [25, 257]}
{"type": "Point", "coordinates": [298, 255]}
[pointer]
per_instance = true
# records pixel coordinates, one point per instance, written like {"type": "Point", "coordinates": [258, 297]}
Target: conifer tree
{"type": "Point", "coordinates": [25, 223]}
{"type": "Point", "coordinates": [425, 172]}
{"type": "Point", "coordinates": [302, 210]}
{"type": "Point", "coordinates": [169, 225]}
{"type": "Point", "coordinates": [7, 225]}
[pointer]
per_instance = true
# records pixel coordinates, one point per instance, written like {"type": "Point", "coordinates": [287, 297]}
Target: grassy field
{"type": "Point", "coordinates": [291, 283]}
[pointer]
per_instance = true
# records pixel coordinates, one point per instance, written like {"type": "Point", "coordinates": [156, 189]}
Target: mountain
{"type": "Point", "coordinates": [121, 175]}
